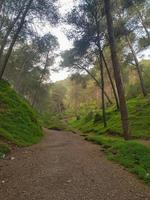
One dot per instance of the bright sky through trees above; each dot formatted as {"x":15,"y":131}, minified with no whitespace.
{"x":65,"y":6}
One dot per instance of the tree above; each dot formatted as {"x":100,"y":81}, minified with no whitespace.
{"x":116,"y":67}
{"x":15,"y":38}
{"x":88,"y":20}
{"x":89,"y":27}
{"x":75,"y":62}
{"x":25,"y":13}
{"x":138,"y":67}
{"x":45,"y":46}
{"x":139,"y":8}
{"x":125,"y":29}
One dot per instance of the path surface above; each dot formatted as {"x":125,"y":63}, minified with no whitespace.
{"x":65,"y":167}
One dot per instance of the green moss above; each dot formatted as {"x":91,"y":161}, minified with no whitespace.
{"x":139,"y":119}
{"x":130,"y":154}
{"x":18,"y":121}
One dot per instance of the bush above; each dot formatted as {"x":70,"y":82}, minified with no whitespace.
{"x":89,"y":117}
{"x":97,"y":118}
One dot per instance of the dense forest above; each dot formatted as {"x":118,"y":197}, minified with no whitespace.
{"x":107,"y":93}
{"x":105,"y":60}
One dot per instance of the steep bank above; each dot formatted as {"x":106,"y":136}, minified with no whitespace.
{"x":18,"y":121}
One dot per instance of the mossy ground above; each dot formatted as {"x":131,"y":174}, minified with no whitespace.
{"x":132,"y":155}
{"x":18,"y":121}
{"x":139,"y":119}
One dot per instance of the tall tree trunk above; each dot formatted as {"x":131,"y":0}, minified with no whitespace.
{"x":101,"y":67}
{"x":111,"y":81}
{"x":15,"y":38}
{"x":138,"y":67}
{"x":102,"y":90}
{"x":117,"y":73}
{"x":4,"y":41}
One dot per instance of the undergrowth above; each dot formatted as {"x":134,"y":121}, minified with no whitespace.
{"x":139,"y":119}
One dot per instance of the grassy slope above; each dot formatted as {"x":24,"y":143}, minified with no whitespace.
{"x":18,"y":121}
{"x":130,"y":154}
{"x":139,"y":117}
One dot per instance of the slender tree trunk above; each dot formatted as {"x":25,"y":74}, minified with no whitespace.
{"x":111,"y":81}
{"x":102,"y":90}
{"x":117,"y":73}
{"x":15,"y":38}
{"x":137,"y":66}
{"x":4,"y":41}
{"x":101,"y":67}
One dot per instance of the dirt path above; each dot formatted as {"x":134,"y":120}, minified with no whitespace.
{"x":145,"y":142}
{"x":65,"y":167}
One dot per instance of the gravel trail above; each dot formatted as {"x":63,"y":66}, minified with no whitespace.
{"x":65,"y":167}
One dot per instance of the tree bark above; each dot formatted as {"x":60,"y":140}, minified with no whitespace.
{"x":111,"y":81}
{"x":139,"y":71}
{"x":102,"y":90}
{"x":117,"y":73}
{"x":15,"y":38}
{"x":100,"y":62}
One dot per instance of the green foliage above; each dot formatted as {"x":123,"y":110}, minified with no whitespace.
{"x":139,"y":118}
{"x":4,"y":149}
{"x":130,"y":154}
{"x":144,"y":42}
{"x":97,"y":118}
{"x":18,"y":121}
{"x":54,"y":121}
{"x":134,"y":89}
{"x":89,"y":117}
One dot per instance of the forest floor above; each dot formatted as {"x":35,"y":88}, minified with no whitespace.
{"x":63,"y":166}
